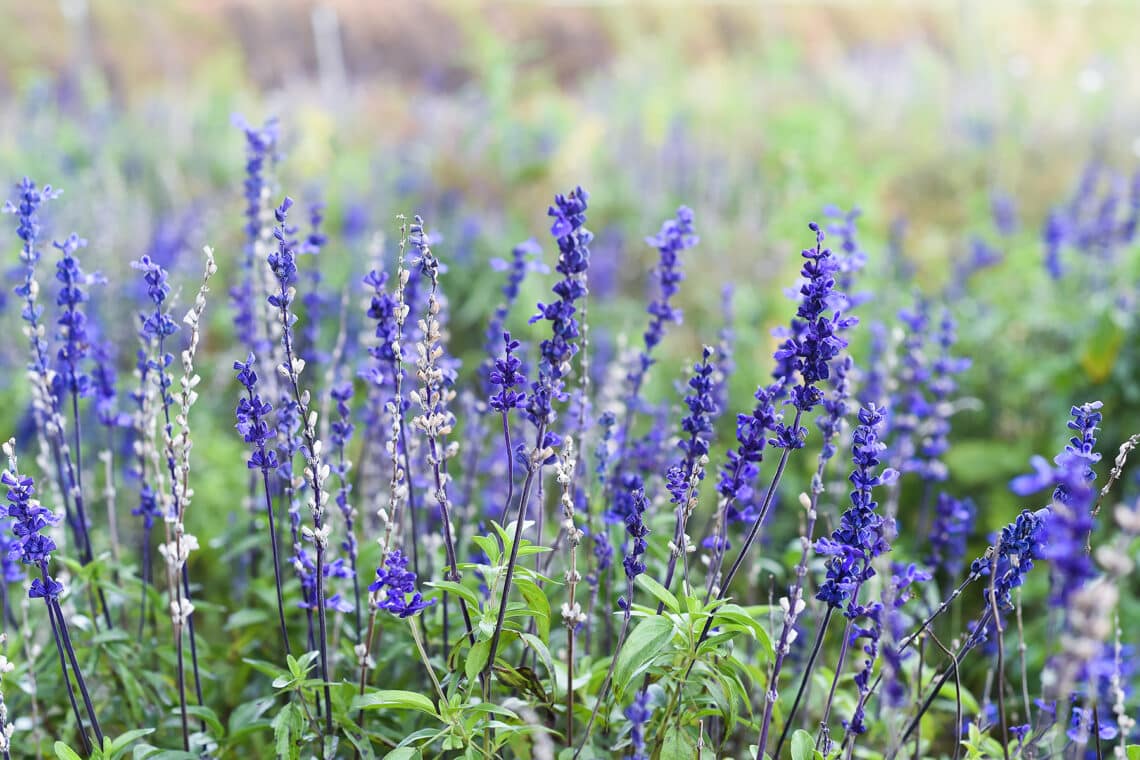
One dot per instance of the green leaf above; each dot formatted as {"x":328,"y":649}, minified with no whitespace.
{"x":541,"y":650}
{"x":477,"y":659}
{"x":678,"y":745}
{"x":245,"y":618}
{"x":394,"y":699}
{"x":286,"y":727}
{"x":1132,"y":752}
{"x":64,"y":752}
{"x":539,"y":606}
{"x":803,"y":745}
{"x":120,"y":745}
{"x":403,"y":753}
{"x":210,"y":717}
{"x":735,"y":617}
{"x":459,"y":590}
{"x":659,"y":592}
{"x":640,"y":649}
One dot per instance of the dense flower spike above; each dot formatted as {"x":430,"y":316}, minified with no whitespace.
{"x":637,"y":530}
{"x":1019,"y":544}
{"x":859,"y":537}
{"x":74,"y":341}
{"x":506,"y":376}
{"x":569,"y":213}
{"x":675,"y":236}
{"x":394,"y":583}
{"x":813,"y":340}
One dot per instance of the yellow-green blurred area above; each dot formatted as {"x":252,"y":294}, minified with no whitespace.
{"x":756,"y":115}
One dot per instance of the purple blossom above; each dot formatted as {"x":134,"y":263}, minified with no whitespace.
{"x":637,"y":530}
{"x":953,"y":522}
{"x":859,"y":537}
{"x":251,"y":413}
{"x":506,"y":376}
{"x":638,"y":715}
{"x":813,"y":340}
{"x":569,"y":213}
{"x":675,"y":236}
{"x":394,"y":582}
{"x":1019,"y":544}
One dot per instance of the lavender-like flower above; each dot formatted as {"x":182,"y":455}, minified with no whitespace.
{"x":675,"y":236}
{"x":953,"y":521}
{"x":30,"y":521}
{"x":1003,"y":209}
{"x":684,"y":477}
{"x":1019,"y":544}
{"x":859,"y":537}
{"x":638,"y":715}
{"x":522,"y":261}
{"x":394,"y":582}
{"x":252,"y":413}
{"x":813,"y":340}
{"x":637,"y":530}
{"x":569,"y":212}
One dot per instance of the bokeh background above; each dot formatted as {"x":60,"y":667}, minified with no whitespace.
{"x":925,"y":116}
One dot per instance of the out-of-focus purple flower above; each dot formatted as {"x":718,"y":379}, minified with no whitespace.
{"x":1053,"y":236}
{"x":1003,"y":209}
{"x":859,"y":537}
{"x":953,"y":522}
{"x":523,"y":260}
{"x":851,"y":257}
{"x":394,"y":583}
{"x":725,"y":363}
{"x":675,"y":236}
{"x":834,"y":407}
{"x":903,"y":576}
{"x":638,"y":715}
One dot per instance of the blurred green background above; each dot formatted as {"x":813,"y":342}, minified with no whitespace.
{"x":756,"y":115}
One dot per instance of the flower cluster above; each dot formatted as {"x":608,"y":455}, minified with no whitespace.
{"x":637,"y":530}
{"x":953,"y":521}
{"x":30,"y":522}
{"x":569,"y":213}
{"x":859,"y":537}
{"x":507,"y":376}
{"x":394,"y":582}
{"x":252,"y":412}
{"x":675,"y":236}
{"x":813,"y":340}
{"x":638,"y":715}
{"x":1019,"y":544}
{"x":74,"y":341}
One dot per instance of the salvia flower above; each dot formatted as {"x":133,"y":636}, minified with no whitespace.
{"x":637,"y":530}
{"x":569,"y":213}
{"x":675,"y":236}
{"x":638,"y":715}
{"x":859,"y":537}
{"x":395,"y":587}
{"x":74,"y":341}
{"x":252,"y":414}
{"x":523,"y":260}
{"x":813,"y":340}
{"x":953,"y":522}
{"x":506,"y":376}
{"x":1019,"y":544}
